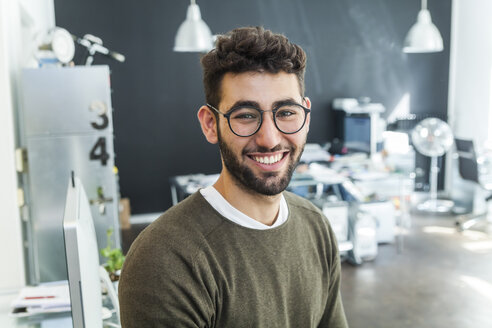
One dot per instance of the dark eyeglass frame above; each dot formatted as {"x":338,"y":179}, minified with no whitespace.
{"x":261,"y":111}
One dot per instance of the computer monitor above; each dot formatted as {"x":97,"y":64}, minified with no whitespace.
{"x":357,"y":133}
{"x":82,"y":258}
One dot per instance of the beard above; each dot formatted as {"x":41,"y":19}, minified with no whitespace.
{"x":265,"y":183}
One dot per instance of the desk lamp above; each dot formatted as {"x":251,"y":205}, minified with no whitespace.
{"x":423,"y":36}
{"x":193,"y":34}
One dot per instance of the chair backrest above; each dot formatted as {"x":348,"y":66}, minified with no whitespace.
{"x":467,"y":159}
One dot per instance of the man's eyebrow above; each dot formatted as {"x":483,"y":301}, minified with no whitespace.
{"x":244,"y":103}
{"x":251,"y":103}
{"x":288,"y":100}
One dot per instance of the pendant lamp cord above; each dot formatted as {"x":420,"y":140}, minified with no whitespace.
{"x":424,"y":4}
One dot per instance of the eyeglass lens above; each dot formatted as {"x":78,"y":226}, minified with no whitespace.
{"x":244,"y":121}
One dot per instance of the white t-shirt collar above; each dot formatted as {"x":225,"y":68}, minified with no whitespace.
{"x":221,"y":205}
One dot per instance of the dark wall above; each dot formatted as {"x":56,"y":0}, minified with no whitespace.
{"x":353,"y":47}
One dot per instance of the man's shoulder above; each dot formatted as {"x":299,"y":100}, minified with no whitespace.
{"x":306,"y":214}
{"x":184,"y":226}
{"x":309,"y":218}
{"x":298,"y":203}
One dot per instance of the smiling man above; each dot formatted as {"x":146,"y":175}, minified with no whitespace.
{"x":243,"y":252}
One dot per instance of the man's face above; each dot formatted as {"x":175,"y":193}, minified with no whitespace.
{"x":264,"y":162}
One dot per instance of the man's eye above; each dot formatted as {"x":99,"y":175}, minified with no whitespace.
{"x":244,"y":115}
{"x":286,"y":112}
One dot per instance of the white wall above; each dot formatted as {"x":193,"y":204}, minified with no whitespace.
{"x":470,"y":102}
{"x":20,"y":21}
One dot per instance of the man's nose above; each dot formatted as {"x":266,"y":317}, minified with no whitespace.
{"x":268,"y":135}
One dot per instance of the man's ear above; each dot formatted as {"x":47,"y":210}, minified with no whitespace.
{"x":307,"y":104}
{"x":208,"y":124}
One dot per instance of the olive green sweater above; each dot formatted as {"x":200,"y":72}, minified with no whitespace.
{"x":194,"y":268}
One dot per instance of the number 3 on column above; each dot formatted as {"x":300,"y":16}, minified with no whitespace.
{"x":98,"y":151}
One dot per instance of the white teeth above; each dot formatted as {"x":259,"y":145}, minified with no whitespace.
{"x":268,"y":159}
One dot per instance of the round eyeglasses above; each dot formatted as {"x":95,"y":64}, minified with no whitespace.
{"x":246,"y":120}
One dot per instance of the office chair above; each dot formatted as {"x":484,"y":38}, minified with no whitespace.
{"x":469,"y":170}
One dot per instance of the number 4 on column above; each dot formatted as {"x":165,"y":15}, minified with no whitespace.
{"x":98,"y":152}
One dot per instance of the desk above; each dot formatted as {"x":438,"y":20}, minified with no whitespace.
{"x":60,"y":320}
{"x":55,"y":320}
{"x":185,"y":185}
{"x":397,"y":187}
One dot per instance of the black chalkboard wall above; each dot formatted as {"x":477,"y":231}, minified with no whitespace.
{"x":353,"y":47}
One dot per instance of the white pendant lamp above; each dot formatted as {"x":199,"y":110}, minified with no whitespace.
{"x":423,"y":36}
{"x":193,"y":34}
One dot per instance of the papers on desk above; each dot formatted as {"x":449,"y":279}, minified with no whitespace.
{"x":47,"y":298}
{"x":324,"y":174}
{"x":370,"y":175}
{"x":192,"y":183}
{"x":314,"y":153}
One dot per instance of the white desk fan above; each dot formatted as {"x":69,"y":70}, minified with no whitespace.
{"x":433,"y":137}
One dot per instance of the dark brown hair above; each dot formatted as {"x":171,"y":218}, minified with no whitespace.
{"x":250,"y":49}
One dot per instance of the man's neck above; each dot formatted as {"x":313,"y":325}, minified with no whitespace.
{"x":260,"y":207}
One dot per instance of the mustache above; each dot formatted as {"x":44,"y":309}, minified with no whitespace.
{"x":260,"y":149}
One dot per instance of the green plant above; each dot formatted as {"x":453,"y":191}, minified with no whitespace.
{"x":114,"y":256}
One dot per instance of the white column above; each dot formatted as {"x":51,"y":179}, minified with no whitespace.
{"x":470,"y":107}
{"x":20,"y":20}
{"x":470,"y":75}
{"x":12,"y":273}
